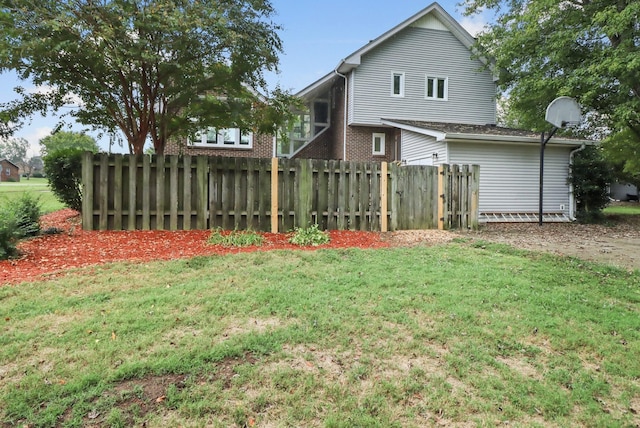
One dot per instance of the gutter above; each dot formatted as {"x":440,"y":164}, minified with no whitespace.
{"x":572,"y":196}
{"x":344,"y":120}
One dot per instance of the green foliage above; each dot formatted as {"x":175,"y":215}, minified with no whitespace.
{"x":590,"y":176}
{"x":311,"y":235}
{"x":124,"y":59}
{"x":587,"y":50}
{"x":68,"y":140}
{"x":27,"y":210}
{"x":9,"y":233}
{"x":623,"y":151}
{"x":64,"y":171}
{"x":19,"y":218}
{"x":235,"y":238}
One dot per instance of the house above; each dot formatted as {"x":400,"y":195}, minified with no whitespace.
{"x":418,"y":95}
{"x":623,"y":192}
{"x":9,"y":171}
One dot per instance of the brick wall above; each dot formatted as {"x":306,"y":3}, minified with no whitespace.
{"x":262,"y":148}
{"x":9,"y":171}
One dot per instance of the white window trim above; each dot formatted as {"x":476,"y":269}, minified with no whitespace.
{"x":219,"y":143}
{"x":435,"y":89}
{"x":402,"y":84}
{"x":382,"y":137}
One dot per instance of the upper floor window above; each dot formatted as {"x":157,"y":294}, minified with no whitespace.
{"x":378,"y":143}
{"x":436,"y":88}
{"x":397,"y":84}
{"x":223,"y":138}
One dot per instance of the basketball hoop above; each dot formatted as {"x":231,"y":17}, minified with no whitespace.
{"x":563,"y":112}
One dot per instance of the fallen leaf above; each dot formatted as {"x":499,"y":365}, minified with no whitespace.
{"x":113,"y":335}
{"x":161,"y":399}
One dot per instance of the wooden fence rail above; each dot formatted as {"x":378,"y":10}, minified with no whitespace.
{"x":184,"y":192}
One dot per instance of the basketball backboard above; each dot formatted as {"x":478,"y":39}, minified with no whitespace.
{"x":563,"y":112}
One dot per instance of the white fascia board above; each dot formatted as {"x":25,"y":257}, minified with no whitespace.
{"x":316,"y":85}
{"x":438,"y":135}
{"x":510,"y":139}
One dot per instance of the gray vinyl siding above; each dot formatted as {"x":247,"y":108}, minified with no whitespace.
{"x":509,"y":176}
{"x":416,"y":146}
{"x":419,"y":52}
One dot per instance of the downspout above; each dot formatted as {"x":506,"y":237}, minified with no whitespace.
{"x":344,"y":120}
{"x":572,"y":197}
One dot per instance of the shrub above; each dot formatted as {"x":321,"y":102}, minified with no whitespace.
{"x":590,"y":176}
{"x":27,"y":211}
{"x":236,"y":238}
{"x":312,"y":235}
{"x":63,"y":169}
{"x":9,"y":234}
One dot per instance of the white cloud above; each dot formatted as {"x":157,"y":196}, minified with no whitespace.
{"x":33,"y":137}
{"x":473,"y":24}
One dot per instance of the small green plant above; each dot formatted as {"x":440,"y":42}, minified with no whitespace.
{"x":27,"y":211}
{"x":235,"y":238}
{"x":311,"y":235}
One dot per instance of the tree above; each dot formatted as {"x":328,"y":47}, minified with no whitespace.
{"x":590,"y":175}
{"x":586,"y":49}
{"x":67,"y":140}
{"x":34,"y":165}
{"x":152,"y":69}
{"x":14,"y":149}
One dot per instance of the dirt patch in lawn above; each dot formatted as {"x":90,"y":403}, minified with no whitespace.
{"x":616,"y":243}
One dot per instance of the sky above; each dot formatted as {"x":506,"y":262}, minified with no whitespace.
{"x":315,"y":37}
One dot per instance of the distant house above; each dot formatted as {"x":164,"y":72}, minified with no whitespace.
{"x":624,"y":192}
{"x":10,"y":171}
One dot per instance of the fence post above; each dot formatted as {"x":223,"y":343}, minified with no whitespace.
{"x":304,"y":194}
{"x":87,"y":191}
{"x":475,"y":197}
{"x":202,"y":209}
{"x":384,"y":203}
{"x":274,"y":195}
{"x":442,"y":202}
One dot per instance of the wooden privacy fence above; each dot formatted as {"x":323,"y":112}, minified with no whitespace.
{"x":184,"y":192}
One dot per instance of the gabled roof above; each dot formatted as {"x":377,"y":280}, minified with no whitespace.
{"x":8,"y":161}
{"x":478,"y":133}
{"x":353,"y":60}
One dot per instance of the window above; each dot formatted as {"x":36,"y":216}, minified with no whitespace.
{"x":378,"y":143}
{"x":397,"y":84}
{"x":306,"y":126}
{"x":436,"y":88}
{"x":223,"y":138}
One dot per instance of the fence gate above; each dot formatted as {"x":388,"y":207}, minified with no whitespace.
{"x":413,"y":195}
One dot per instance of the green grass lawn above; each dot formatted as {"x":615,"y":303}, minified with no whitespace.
{"x":464,"y":333}
{"x":626,"y":209}
{"x":38,"y":187}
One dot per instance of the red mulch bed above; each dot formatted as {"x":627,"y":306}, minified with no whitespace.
{"x":48,"y":256}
